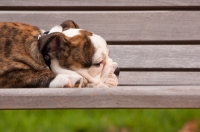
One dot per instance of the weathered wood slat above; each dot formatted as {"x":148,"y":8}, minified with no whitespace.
{"x":127,"y":26}
{"x":120,"y":25}
{"x":101,"y":3}
{"x":159,"y":78}
{"x":121,"y":97}
{"x":156,"y":56}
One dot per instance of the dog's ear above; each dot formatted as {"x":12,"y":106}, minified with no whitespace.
{"x":69,"y":24}
{"x":51,"y":42}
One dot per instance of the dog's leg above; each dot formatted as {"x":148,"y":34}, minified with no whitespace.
{"x":64,"y":80}
{"x":36,"y":79}
{"x":26,"y":78}
{"x":55,"y":67}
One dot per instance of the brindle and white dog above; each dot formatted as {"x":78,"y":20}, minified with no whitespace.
{"x":63,"y":57}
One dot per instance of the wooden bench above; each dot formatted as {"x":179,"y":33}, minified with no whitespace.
{"x":156,"y":44}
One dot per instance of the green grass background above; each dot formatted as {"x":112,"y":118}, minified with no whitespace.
{"x":96,"y":120}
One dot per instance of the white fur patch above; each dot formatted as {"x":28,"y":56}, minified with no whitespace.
{"x":98,"y":42}
{"x":60,"y":81}
{"x":106,"y":70}
{"x":101,"y":47}
{"x":72,"y":76}
{"x":42,"y":31}
{"x":72,"y":32}
{"x":55,"y":67}
{"x":56,"y":29}
{"x":39,"y":36}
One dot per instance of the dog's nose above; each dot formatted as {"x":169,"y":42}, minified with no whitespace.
{"x":116,"y":72}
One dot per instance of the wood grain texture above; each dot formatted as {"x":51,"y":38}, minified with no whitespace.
{"x":119,"y":25}
{"x":101,"y":3}
{"x":156,"y":56}
{"x":158,"y":78}
{"x":120,"y":97}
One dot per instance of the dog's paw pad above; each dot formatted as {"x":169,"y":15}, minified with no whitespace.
{"x":68,"y":85}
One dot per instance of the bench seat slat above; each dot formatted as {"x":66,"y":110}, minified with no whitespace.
{"x":119,"y":25}
{"x":160,"y":78}
{"x":101,"y":3}
{"x":121,"y":97}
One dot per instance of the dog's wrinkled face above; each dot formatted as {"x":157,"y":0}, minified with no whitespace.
{"x":83,"y":52}
{"x":100,"y":72}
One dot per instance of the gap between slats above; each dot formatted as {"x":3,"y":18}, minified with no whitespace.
{"x":160,"y":69}
{"x":160,"y":42}
{"x":98,"y":8}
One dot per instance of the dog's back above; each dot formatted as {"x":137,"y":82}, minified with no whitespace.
{"x":20,"y":59}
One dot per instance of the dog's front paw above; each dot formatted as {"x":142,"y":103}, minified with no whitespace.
{"x":76,"y":81}
{"x":63,"y":80}
{"x":60,"y":81}
{"x":111,"y":81}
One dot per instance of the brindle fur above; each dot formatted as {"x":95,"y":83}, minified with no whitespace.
{"x":21,"y":62}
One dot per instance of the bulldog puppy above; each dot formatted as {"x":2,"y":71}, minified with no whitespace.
{"x":63,"y":57}
{"x":73,"y":49}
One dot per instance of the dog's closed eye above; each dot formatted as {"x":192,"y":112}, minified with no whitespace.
{"x":97,"y":64}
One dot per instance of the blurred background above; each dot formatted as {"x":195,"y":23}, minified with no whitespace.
{"x":100,"y":120}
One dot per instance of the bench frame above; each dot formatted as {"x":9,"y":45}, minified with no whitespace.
{"x":155,"y":43}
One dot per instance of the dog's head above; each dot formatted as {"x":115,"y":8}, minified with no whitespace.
{"x":71,"y":48}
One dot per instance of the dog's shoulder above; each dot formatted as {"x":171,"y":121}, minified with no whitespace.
{"x":18,"y":38}
{"x":18,"y":31}
{"x":18,"y":50}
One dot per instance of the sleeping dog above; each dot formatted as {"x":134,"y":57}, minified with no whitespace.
{"x":63,"y":57}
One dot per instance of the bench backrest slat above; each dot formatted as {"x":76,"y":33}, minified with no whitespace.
{"x":120,"y":25}
{"x":133,"y":3}
{"x":159,"y":78}
{"x":156,"y":56}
